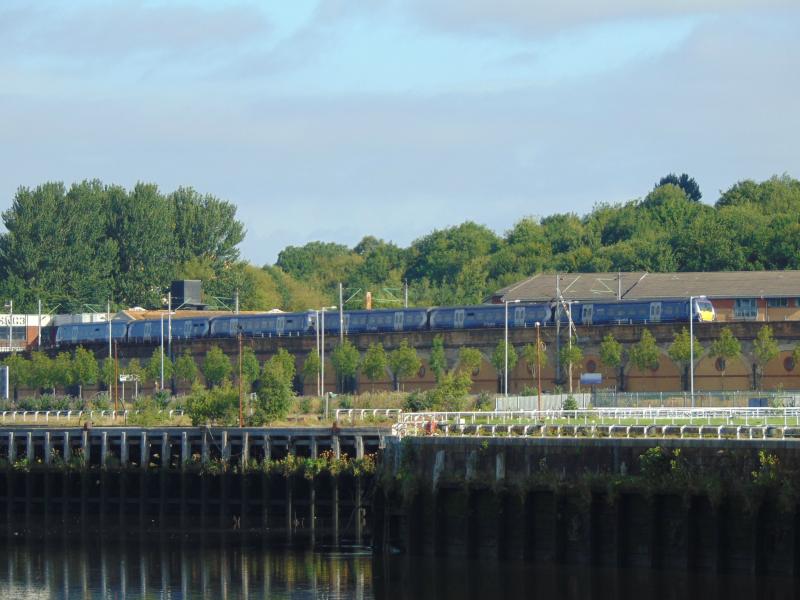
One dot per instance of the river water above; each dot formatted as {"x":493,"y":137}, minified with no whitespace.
{"x":152,"y":567}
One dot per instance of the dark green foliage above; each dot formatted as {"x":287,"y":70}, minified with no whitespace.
{"x":218,"y":406}
{"x":216,"y":366}
{"x":686,"y":183}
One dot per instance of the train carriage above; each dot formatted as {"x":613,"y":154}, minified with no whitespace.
{"x":263,"y":325}
{"x":369,"y":321}
{"x":90,"y":333}
{"x":488,"y":315}
{"x":148,"y":331}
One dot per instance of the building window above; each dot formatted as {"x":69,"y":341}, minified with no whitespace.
{"x":778,"y":302}
{"x":745,"y":308}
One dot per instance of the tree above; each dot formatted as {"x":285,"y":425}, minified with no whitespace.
{"x":40,"y":373}
{"x":534,"y":357}
{"x":311,"y":366}
{"x":644,"y":354}
{"x":344,"y":359}
{"x":85,"y":369}
{"x":107,"y":372}
{"x":250,"y":367}
{"x":63,"y":373}
{"x":18,"y":371}
{"x":216,"y":366}
{"x":611,"y":355}
{"x":765,"y":348}
{"x":375,"y":362}
{"x":217,"y":406}
{"x":469,"y":360}
{"x":570,"y":354}
{"x":686,"y":183}
{"x":680,"y":352}
{"x":724,"y":348}
{"x":438,"y":361}
{"x":451,"y":391}
{"x":134,"y":369}
{"x":274,"y":396}
{"x":206,"y":227}
{"x":499,"y":359}
{"x":284,"y":362}
{"x":403,"y":362}
{"x":152,"y":371}
{"x":186,"y":369}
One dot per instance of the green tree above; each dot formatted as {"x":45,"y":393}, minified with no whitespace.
{"x":403,"y":362}
{"x":375,"y":362}
{"x":143,"y":225}
{"x":84,"y":368}
{"x":611,"y":355}
{"x":725,"y":348}
{"x":311,"y":366}
{"x":284,"y":362}
{"x":765,"y":348}
{"x":40,"y":372}
{"x":451,"y":391}
{"x":18,"y":372}
{"x":186,"y":368}
{"x":499,"y":359}
{"x":571,"y":354}
{"x":275,"y":395}
{"x":344,"y":359}
{"x":680,"y":351}
{"x":469,"y":360}
{"x":685,"y":183}
{"x":250,"y":367}
{"x":206,"y":227}
{"x":63,"y":373}
{"x":644,"y":354}
{"x":152,"y":371}
{"x":107,"y":372}
{"x":438,"y":361}
{"x":216,"y":367}
{"x":533,"y":356}
{"x":217,"y":406}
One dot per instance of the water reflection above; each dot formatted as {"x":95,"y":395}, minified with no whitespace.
{"x":220,"y":568}
{"x":202,"y":570}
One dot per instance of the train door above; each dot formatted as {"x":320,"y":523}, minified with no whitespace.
{"x":234,"y":327}
{"x":458,"y":318}
{"x":398,"y":321}
{"x":74,"y":334}
{"x":519,"y":316}
{"x":147,"y":329}
{"x":187,"y":329}
{"x":280,"y":325}
{"x":587,"y":311}
{"x":655,"y":312}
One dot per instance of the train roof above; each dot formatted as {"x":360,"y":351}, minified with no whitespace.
{"x":640,"y":285}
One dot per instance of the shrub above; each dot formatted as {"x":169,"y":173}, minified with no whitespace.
{"x":570,"y":403}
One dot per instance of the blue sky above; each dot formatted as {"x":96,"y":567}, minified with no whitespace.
{"x":333,"y":119}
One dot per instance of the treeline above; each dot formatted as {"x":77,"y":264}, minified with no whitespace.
{"x":752,"y":226}
{"x":96,"y":242}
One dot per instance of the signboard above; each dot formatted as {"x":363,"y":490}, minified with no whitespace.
{"x":591,"y":378}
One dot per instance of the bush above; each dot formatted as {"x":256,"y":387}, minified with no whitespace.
{"x":161,"y":399}
{"x":417,"y":401}
{"x":484,"y":401}
{"x":219,"y":406}
{"x":570,"y":403}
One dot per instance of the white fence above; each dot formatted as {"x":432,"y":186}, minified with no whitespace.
{"x":549,"y":402}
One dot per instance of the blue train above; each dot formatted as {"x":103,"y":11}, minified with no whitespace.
{"x":390,"y":320}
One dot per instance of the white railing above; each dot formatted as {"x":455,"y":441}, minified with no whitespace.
{"x":44,"y":416}
{"x":362,"y":414}
{"x":637,"y":422}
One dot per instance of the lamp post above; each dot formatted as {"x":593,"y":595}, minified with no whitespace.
{"x":322,"y":355}
{"x":538,"y":369}
{"x":505,"y":367}
{"x":162,"y":351}
{"x":691,"y":348}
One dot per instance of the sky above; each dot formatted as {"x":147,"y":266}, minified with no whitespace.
{"x":331,"y":119}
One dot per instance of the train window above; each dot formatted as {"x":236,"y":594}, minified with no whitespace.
{"x":778,"y":302}
{"x":745,"y":308}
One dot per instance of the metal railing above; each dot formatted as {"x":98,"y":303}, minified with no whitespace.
{"x":362,"y":414}
{"x":44,"y":416}
{"x":738,"y":423}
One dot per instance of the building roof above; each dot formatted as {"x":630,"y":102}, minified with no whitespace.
{"x":652,"y":286}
